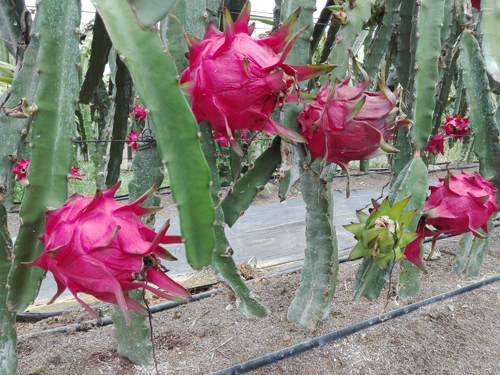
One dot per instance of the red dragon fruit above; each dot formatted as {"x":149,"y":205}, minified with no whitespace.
{"x":458,"y":204}
{"x":134,"y":136}
{"x":476,"y":4}
{"x":235,"y":81}
{"x":138,"y":112}
{"x":21,"y":169}
{"x":456,"y":126}
{"x":75,"y":174}
{"x":436,"y":144}
{"x":346,"y":123}
{"x":98,"y":246}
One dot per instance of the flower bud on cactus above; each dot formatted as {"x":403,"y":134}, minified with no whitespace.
{"x":339,"y":17}
{"x":235,"y":81}
{"x":98,"y":246}
{"x":382,"y":234}
{"x":346,"y":123}
{"x":456,"y":126}
{"x":138,"y":112}
{"x":436,"y":144}
{"x":75,"y":174}
{"x":134,"y":136}
{"x":21,"y":169}
{"x":457,"y":205}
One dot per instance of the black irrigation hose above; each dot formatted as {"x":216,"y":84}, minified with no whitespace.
{"x":85,"y":326}
{"x":336,"y":335}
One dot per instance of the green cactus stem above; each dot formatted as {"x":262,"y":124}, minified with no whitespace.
{"x":379,"y":46}
{"x":155,"y":78}
{"x":482,"y":115}
{"x":403,"y":64}
{"x":8,"y":335}
{"x":427,"y":32}
{"x":319,"y":273}
{"x":490,"y":18}
{"x":57,"y":64}
{"x":14,"y":130}
{"x":102,"y":118}
{"x":134,"y":341}
{"x":320,"y":26}
{"x":222,"y":261}
{"x":101,"y":45}
{"x":123,"y":85}
{"x":413,"y":180}
{"x":189,"y":18}
{"x":470,"y":253}
{"x":247,"y":187}
{"x":10,"y":19}
{"x":357,"y":14}
{"x":149,"y":12}
{"x":289,"y":116}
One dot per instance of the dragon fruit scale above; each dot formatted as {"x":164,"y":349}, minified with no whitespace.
{"x":457,"y":205}
{"x":346,"y":123}
{"x":235,"y":81}
{"x":98,"y":246}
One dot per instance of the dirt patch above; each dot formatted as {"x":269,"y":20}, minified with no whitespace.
{"x":460,"y":335}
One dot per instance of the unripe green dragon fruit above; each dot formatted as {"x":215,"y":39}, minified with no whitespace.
{"x":382,"y":234}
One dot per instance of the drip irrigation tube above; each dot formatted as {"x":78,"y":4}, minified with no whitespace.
{"x":336,"y":335}
{"x":84,"y":326}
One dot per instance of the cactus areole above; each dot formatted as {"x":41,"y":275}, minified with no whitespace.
{"x":235,"y":81}
{"x":98,"y":246}
{"x":347,"y":123}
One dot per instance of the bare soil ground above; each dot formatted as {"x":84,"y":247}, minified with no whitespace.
{"x":460,"y":335}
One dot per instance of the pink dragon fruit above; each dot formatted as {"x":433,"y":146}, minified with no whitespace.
{"x":456,"y":126}
{"x":476,"y":4}
{"x":98,"y":246}
{"x":346,"y":123}
{"x":221,"y":140}
{"x":21,"y":169}
{"x":75,"y":174}
{"x":138,"y":112}
{"x":436,"y":144}
{"x":458,"y":204}
{"x":235,"y":81}
{"x":134,"y":136}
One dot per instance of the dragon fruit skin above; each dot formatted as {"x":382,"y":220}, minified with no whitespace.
{"x":346,"y":123}
{"x":20,"y":170}
{"x":456,"y":126}
{"x":235,"y":81}
{"x":98,"y":246}
{"x":436,"y":144}
{"x":476,"y":4}
{"x":457,"y":205}
{"x":460,"y":204}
